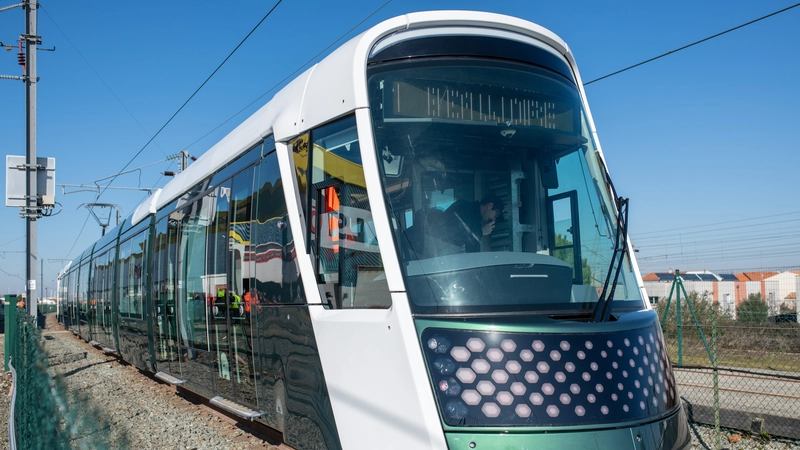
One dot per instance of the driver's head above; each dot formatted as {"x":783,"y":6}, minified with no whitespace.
{"x":492,"y":209}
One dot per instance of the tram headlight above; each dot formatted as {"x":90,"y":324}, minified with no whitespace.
{"x":449,"y":386}
{"x":445,"y":365}
{"x":439,"y":344}
{"x":455,"y":410}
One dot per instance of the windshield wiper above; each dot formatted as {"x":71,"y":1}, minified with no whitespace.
{"x":602,"y":311}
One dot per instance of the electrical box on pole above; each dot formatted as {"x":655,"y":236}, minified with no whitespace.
{"x":16,"y":179}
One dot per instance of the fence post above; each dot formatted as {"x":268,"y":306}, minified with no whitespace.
{"x":666,"y":309}
{"x":678,"y":318}
{"x":715,"y":366}
{"x":697,"y":322}
{"x":10,"y":327}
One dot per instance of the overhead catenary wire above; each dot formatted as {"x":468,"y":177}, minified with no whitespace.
{"x":692,"y":44}
{"x":287,"y":77}
{"x":673,"y":260}
{"x":114,"y":177}
{"x":741,"y":250}
{"x":12,"y":274}
{"x":719,"y":223}
{"x":750,"y":239}
{"x":13,"y":240}
{"x":241,"y":110}
{"x":194,"y":93}
{"x":717,"y":241}
{"x":293,"y":73}
{"x":738,"y":253}
{"x":83,"y":227}
{"x":721,"y":229}
{"x":715,"y":230}
{"x":653,"y":257}
{"x":102,"y":80}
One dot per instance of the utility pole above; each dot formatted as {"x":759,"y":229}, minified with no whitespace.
{"x":32,"y":212}
{"x":183,"y":162}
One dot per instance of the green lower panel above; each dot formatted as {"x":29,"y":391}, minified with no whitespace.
{"x":605,"y":439}
{"x":669,"y":434}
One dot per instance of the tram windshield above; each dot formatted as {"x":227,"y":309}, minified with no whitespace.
{"x":495,"y":191}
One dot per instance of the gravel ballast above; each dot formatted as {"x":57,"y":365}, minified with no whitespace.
{"x":141,"y":412}
{"x":147,"y":414}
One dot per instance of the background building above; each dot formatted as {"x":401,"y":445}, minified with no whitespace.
{"x":777,"y":289}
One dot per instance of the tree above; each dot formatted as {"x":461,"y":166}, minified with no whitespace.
{"x":753,"y":310}
{"x":701,"y":304}
{"x":567,"y":255}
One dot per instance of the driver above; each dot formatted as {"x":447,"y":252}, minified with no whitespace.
{"x":466,"y":223}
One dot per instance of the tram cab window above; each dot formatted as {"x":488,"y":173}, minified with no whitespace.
{"x":348,"y":263}
{"x":460,"y":137}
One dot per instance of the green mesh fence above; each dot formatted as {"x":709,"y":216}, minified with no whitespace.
{"x":754,"y":384}
{"x":46,"y":416}
{"x":46,"y":308}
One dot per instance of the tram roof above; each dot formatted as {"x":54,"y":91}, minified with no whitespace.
{"x":332,"y":88}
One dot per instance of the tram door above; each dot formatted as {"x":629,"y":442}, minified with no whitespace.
{"x":218,"y":288}
{"x":242,"y":281}
{"x":164,"y":277}
{"x":72,"y":298}
{"x":104,"y":292}
{"x":230,"y":331}
{"x":84,"y":314}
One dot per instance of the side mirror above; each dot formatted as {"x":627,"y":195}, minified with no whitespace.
{"x":547,"y":167}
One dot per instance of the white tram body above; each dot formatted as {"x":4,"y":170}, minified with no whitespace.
{"x":405,"y":248}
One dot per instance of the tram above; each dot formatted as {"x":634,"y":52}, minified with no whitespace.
{"x":415,"y":244}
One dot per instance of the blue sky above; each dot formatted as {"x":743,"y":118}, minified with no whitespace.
{"x":700,"y":141}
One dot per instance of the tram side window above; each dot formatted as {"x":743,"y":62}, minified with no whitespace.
{"x":108,"y":292}
{"x":95,"y":280}
{"x":163,"y":273}
{"x":138,"y":250}
{"x":349,"y":266}
{"x":124,"y":278}
{"x":216,"y":276}
{"x":158,"y":267}
{"x":99,"y":269}
{"x":131,"y":290}
{"x":194,"y":285}
{"x":240,"y":240}
{"x":72,"y":294}
{"x":277,"y":276}
{"x":83,"y":287}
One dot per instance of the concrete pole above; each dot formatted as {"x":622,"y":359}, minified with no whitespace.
{"x":32,"y":210}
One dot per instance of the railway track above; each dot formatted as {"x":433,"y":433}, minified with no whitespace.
{"x":792,"y":382}
{"x":744,"y":395}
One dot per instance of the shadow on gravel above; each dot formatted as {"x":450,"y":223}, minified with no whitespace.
{"x":690,"y":415}
{"x":80,"y":369}
{"x":57,"y":360}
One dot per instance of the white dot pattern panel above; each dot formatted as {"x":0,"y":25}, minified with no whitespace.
{"x":523,"y":379}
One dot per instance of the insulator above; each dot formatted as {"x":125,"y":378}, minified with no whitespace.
{"x":21,"y":58}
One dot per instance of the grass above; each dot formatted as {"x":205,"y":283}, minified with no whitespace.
{"x":694,"y":354}
{"x":767,"y":348}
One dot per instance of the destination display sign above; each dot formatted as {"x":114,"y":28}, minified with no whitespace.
{"x":426,"y":99}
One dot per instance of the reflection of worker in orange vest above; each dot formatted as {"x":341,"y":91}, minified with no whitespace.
{"x":248,"y":297}
{"x":336,"y":220}
{"x":332,"y":206}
